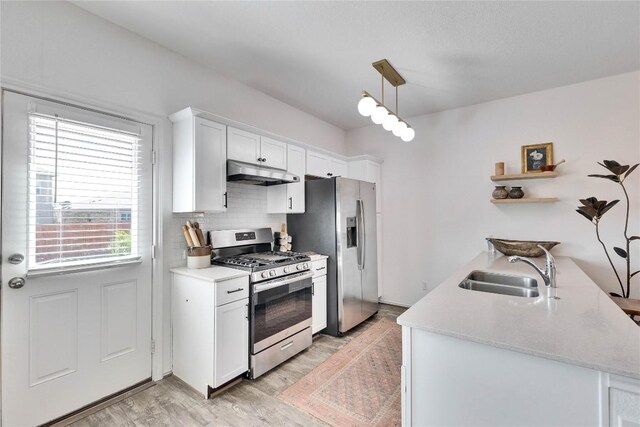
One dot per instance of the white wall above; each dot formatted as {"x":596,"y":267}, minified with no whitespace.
{"x":69,"y":52}
{"x":436,"y":189}
{"x":247,"y":207}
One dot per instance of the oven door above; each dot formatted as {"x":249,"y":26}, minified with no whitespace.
{"x":279,"y":309}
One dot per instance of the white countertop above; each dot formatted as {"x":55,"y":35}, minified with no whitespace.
{"x":584,"y":327}
{"x":214,"y":273}
{"x":318,"y":257}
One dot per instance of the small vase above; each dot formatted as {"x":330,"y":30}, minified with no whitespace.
{"x":516,"y":193}
{"x":500,"y":192}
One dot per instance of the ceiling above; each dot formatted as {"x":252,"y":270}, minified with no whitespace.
{"x":317,"y":56}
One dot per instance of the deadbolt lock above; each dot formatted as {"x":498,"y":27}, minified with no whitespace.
{"x":16,"y":259}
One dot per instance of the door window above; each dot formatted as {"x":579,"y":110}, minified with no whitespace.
{"x":83,"y":185}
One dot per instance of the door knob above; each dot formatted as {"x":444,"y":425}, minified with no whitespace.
{"x":16,"y":259}
{"x":16,"y":283}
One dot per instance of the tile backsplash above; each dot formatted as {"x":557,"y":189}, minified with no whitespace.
{"x":247,"y":208}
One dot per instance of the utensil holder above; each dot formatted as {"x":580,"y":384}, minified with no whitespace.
{"x":199,"y":257}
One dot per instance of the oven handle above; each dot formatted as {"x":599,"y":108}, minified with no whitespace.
{"x":267,"y":286}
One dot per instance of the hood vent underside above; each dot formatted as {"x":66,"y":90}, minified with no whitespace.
{"x":247,"y":173}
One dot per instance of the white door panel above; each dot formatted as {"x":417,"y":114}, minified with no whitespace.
{"x":53,"y":336}
{"x":70,"y":337}
{"x":118,"y":318}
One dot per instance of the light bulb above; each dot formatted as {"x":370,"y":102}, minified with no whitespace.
{"x":399,"y":128}
{"x":390,"y":122}
{"x":366,"y":106}
{"x":379,"y":115}
{"x":408,"y":134}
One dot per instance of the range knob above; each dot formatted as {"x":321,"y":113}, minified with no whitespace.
{"x":287,"y":269}
{"x":305,"y":265}
{"x":272,"y":273}
{"x":299,"y":266}
{"x":265,"y":274}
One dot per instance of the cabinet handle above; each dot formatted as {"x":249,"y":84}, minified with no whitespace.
{"x":290,"y":202}
{"x":246,"y":311}
{"x":259,"y":159}
{"x":321,"y":268}
{"x":329,"y":174}
{"x":264,"y":159}
{"x":234,"y":291}
{"x":286,"y":346}
{"x":313,"y":289}
{"x":225,"y":199}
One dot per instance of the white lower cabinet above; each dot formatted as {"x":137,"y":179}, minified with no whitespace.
{"x":624,"y":402}
{"x":209,"y":328}
{"x":319,"y":304}
{"x":231,"y":340}
{"x":319,"y":298}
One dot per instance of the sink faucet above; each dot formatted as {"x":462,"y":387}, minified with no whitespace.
{"x":549,"y":272}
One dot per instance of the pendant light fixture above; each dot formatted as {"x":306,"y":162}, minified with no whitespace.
{"x":379,"y":113}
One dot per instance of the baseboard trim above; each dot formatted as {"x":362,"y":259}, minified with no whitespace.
{"x":398,"y":304}
{"x":98,"y":405}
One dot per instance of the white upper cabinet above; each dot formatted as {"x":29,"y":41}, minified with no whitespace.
{"x":273,"y":153}
{"x":248,"y":147}
{"x":295,"y":191}
{"x":243,"y":146}
{"x":289,"y":198}
{"x":338,"y":167}
{"x":317,"y":164}
{"x":199,"y":164}
{"x":324,"y":166}
{"x":370,"y":171}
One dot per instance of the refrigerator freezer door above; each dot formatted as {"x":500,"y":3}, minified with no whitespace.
{"x":370,"y":270}
{"x":349,"y":274}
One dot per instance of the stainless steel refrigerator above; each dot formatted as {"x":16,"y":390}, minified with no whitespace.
{"x":340,"y":221}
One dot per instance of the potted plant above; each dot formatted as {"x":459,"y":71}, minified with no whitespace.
{"x":593,"y":209}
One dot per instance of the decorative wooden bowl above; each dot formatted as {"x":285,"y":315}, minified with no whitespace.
{"x":528,"y":248}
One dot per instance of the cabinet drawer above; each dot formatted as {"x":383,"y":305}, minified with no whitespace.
{"x":232,"y":290}
{"x":319,"y":267}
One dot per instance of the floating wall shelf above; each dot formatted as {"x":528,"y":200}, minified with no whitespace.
{"x":513,"y":177}
{"x":526,"y":200}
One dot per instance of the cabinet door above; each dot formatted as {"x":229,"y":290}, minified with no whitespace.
{"x":317,"y":164}
{"x":319,"y":304}
{"x":273,"y":153}
{"x":297,"y":166}
{"x":338,"y":167}
{"x":243,"y":146}
{"x":210,"y":166}
{"x":231,"y":341}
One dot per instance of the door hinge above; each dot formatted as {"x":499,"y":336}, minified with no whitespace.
{"x":154,"y":249}
{"x":154,"y":157}
{"x":153,"y":346}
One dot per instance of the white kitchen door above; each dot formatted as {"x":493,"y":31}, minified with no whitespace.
{"x":76,"y":258}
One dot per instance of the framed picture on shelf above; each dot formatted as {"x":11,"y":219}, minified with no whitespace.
{"x":536,"y":155}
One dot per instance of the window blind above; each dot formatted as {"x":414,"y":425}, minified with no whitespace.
{"x":83,"y":182}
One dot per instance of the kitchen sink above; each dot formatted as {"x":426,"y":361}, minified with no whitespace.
{"x":505,"y":284}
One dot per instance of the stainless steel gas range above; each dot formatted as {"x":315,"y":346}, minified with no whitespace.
{"x":280,"y":294}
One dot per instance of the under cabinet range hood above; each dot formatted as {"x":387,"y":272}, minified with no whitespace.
{"x":247,"y":173}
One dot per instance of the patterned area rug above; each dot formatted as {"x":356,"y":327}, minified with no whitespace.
{"x":357,"y":386}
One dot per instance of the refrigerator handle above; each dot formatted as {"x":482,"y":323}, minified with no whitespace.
{"x":361,"y":234}
{"x":363,"y":225}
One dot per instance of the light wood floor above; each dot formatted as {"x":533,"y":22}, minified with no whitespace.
{"x":250,"y":403}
